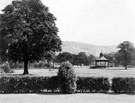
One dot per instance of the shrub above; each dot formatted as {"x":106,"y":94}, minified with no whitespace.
{"x":27,"y":84}
{"x":6,"y":69}
{"x":123,"y":85}
{"x":89,"y":84}
{"x":67,"y":78}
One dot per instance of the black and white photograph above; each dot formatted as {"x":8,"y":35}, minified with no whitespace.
{"x":67,"y":51}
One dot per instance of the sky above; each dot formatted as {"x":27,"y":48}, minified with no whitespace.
{"x":98,"y":22}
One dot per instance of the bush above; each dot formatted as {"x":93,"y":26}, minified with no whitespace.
{"x":6,"y":69}
{"x":89,"y":84}
{"x":67,"y":78}
{"x":28,"y":84}
{"x":123,"y":85}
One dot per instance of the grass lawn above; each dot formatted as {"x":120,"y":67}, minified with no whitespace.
{"x":109,"y":72}
{"x":67,"y":98}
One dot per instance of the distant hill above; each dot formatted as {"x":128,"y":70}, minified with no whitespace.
{"x":76,"y":47}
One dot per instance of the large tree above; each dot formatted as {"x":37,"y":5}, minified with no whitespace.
{"x":29,"y":31}
{"x":125,"y":52}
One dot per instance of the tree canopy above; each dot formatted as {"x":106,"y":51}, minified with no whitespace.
{"x":28,"y":30}
{"x":126,"y":51}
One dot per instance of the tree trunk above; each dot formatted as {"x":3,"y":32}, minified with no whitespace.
{"x":25,"y":67}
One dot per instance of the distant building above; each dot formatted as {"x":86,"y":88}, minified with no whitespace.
{"x":101,"y":62}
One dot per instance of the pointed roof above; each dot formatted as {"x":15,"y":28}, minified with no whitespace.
{"x":101,"y":57}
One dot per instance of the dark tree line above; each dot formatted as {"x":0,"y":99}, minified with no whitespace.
{"x":76,"y":59}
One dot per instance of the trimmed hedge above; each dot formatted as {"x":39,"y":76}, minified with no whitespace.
{"x":89,"y":84}
{"x":50,"y":84}
{"x":28,"y":84}
{"x":123,"y":85}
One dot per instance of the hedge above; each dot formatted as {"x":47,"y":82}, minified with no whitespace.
{"x":123,"y":85}
{"x":28,"y":84}
{"x":50,"y":84}
{"x":89,"y":84}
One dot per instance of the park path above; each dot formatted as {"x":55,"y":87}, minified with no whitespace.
{"x":67,"y":98}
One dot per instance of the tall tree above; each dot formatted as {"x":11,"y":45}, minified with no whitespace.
{"x":125,"y":53}
{"x":29,"y":31}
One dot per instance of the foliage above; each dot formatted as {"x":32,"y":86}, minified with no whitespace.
{"x":27,"y":84}
{"x":28,"y":31}
{"x":6,"y":69}
{"x":90,"y":84}
{"x":117,"y":59}
{"x":65,"y":56}
{"x":49,"y":56}
{"x":133,"y":58}
{"x":14,"y":65}
{"x":91,"y":59}
{"x":30,"y":84}
{"x":82,"y":58}
{"x":76,"y":59}
{"x":123,"y":85}
{"x":40,"y":64}
{"x":67,"y":78}
{"x":126,"y":53}
{"x":111,"y":58}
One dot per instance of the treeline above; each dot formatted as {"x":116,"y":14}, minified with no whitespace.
{"x":52,"y":60}
{"x":76,"y":59}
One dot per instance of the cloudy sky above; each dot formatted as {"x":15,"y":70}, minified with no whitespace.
{"x":99,"y":22}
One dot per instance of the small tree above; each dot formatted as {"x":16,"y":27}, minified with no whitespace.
{"x":27,"y":31}
{"x":125,"y":53}
{"x":67,"y":78}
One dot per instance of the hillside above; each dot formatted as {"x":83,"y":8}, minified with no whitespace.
{"x":76,"y":47}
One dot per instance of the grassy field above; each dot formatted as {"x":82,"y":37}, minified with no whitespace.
{"x":109,"y":72}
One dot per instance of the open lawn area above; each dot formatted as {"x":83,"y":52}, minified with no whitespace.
{"x":109,"y":72}
{"x":67,"y":98}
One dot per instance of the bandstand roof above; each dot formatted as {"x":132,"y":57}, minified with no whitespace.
{"x":102,"y":59}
